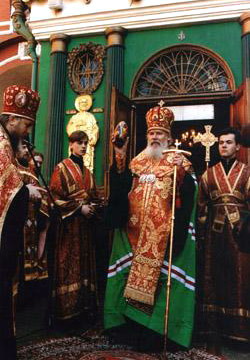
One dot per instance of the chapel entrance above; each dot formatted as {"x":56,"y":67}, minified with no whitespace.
{"x":190,"y":120}
{"x":197,"y":84}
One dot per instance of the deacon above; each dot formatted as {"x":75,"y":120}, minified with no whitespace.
{"x":140,"y":212}
{"x":224,"y":193}
{"x":20,"y":105}
{"x":72,"y":185}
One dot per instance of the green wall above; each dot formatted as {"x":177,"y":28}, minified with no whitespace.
{"x":98,"y":102}
{"x":222,"y":38}
{"x":42,"y":114}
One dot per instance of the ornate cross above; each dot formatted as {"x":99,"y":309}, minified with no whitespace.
{"x":207,"y":139}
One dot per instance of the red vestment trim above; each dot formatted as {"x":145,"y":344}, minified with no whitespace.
{"x":10,"y":179}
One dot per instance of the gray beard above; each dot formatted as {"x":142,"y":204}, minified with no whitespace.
{"x":155,"y":153}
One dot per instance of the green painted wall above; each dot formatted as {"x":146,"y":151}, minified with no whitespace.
{"x":222,"y":38}
{"x":42,"y":114}
{"x":98,"y":102}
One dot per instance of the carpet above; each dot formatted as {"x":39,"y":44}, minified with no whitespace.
{"x":96,"y":348}
{"x":193,"y":354}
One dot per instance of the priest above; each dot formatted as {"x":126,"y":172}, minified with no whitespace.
{"x":20,"y":105}
{"x":140,"y":213}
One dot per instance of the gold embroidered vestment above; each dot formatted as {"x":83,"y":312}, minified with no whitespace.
{"x":10,"y":179}
{"x":150,"y":201}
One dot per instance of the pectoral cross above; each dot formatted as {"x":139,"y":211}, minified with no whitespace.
{"x":207,"y":139}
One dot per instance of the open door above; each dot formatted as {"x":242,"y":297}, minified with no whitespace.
{"x":240,"y":115}
{"x":121,"y":109}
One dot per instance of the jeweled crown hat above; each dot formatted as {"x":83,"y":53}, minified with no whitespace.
{"x":21,"y":101}
{"x":159,"y":117}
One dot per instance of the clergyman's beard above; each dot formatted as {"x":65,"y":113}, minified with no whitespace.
{"x":24,"y":162}
{"x":14,"y":139}
{"x":156,"y":152}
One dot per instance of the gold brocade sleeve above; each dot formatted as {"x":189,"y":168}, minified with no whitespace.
{"x":45,"y":203}
{"x":10,"y":179}
{"x":29,"y":177}
{"x":60,"y":189}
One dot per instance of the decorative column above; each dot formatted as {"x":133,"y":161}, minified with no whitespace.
{"x":115,"y":57}
{"x":114,"y":77}
{"x":244,"y":104}
{"x":56,"y":100}
{"x":245,"y":23}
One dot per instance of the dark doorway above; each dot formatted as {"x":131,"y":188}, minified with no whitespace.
{"x":220,"y":121}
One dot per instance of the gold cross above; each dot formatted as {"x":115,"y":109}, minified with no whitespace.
{"x":225,"y":199}
{"x":207,"y":139}
{"x":161,"y":103}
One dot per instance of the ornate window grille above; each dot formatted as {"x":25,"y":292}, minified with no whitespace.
{"x":85,"y":67}
{"x":183,"y":70}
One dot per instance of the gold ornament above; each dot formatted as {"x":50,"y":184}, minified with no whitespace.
{"x":83,"y":102}
{"x":207,"y":139}
{"x":85,"y":121}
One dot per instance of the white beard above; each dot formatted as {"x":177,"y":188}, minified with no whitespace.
{"x":156,"y":152}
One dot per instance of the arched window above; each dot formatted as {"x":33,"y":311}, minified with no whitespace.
{"x":183,"y":70}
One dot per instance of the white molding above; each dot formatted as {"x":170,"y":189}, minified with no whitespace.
{"x":13,"y":58}
{"x":4,"y":23}
{"x":23,"y":48}
{"x":8,"y":60}
{"x":7,"y":31}
{"x":172,"y":14}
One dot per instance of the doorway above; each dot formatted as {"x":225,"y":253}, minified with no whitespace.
{"x":184,"y":75}
{"x":220,"y":120}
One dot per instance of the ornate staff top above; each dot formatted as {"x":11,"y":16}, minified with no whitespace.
{"x":177,"y":150}
{"x":207,"y":139}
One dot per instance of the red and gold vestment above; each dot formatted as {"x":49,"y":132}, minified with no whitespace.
{"x":150,"y":201}
{"x":224,"y":270}
{"x":10,"y":179}
{"x":34,"y":268}
{"x":74,"y":274}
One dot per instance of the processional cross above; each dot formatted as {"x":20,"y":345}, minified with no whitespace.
{"x":207,"y":139}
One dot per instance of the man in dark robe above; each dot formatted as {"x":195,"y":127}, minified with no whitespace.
{"x":72,"y":185}
{"x":39,"y":158}
{"x":34,"y":267}
{"x":19,"y":111}
{"x":140,"y":211}
{"x":224,"y":299}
